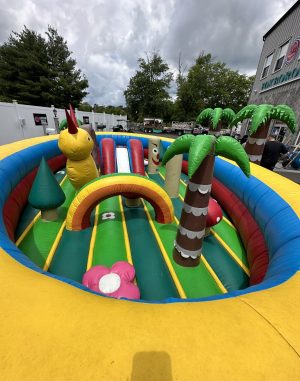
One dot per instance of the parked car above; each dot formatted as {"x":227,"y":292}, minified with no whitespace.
{"x":200,"y":130}
{"x":118,"y":128}
{"x":50,"y":131}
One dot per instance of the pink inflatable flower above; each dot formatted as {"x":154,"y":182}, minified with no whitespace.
{"x":116,"y":282}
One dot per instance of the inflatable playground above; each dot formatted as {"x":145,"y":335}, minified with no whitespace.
{"x":117,"y":280}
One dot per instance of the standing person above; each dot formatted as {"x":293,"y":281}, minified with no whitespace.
{"x":272,"y":150}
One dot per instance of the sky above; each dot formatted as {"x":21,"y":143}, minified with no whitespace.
{"x":107,"y":37}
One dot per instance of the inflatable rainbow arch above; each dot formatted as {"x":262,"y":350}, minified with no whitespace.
{"x":51,"y":329}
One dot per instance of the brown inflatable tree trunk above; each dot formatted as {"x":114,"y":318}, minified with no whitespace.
{"x":191,"y":230}
{"x":216,"y":131}
{"x":256,"y":143}
{"x":202,"y":150}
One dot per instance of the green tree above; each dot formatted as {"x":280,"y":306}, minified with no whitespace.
{"x":45,"y":193}
{"x":68,"y":84}
{"x":98,"y":108}
{"x":202,"y":150}
{"x":85,"y":106}
{"x":210,"y":84}
{"x":261,"y":116}
{"x":147,"y":95}
{"x":168,"y":112}
{"x":184,"y":106}
{"x":24,"y":70}
{"x":117,"y":110}
{"x":40,"y":71}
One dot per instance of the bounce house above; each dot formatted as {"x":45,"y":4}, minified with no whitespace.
{"x":139,"y":270}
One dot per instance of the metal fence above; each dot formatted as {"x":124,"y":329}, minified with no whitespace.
{"x":18,"y":121}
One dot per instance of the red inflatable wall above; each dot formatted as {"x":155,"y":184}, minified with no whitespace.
{"x":18,"y":197}
{"x":249,"y":231}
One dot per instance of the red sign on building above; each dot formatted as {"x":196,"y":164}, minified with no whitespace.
{"x":292,"y":51}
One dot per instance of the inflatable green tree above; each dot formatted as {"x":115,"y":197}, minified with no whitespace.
{"x":261,"y":116}
{"x":64,"y":124}
{"x":202,"y":150}
{"x":214,"y":118}
{"x":45,"y":193}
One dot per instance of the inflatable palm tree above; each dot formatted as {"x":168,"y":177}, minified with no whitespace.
{"x":261,"y":116}
{"x":214,"y":118}
{"x":64,"y":124}
{"x":202,"y":150}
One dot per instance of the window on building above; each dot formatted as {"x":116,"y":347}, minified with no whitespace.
{"x":281,"y":55}
{"x":267,"y":65}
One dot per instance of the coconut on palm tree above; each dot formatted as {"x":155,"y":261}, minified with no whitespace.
{"x":214,"y":118}
{"x":261,"y":116}
{"x":202,"y":150}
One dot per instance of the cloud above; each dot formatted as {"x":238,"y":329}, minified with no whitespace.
{"x":108,"y":36}
{"x":231,"y":30}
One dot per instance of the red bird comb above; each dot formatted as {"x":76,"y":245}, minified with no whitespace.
{"x":72,"y":128}
{"x":73,"y":116}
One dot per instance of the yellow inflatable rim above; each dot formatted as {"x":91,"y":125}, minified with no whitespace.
{"x":53,"y":331}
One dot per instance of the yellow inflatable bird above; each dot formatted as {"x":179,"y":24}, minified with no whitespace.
{"x":76,"y":144}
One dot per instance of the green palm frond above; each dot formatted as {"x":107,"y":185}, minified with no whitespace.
{"x":200,"y":148}
{"x":286,"y":114}
{"x":244,"y":113}
{"x":204,"y":116}
{"x":216,"y":117}
{"x":260,"y":116}
{"x":180,"y":145}
{"x":230,"y":148}
{"x":228,"y":115}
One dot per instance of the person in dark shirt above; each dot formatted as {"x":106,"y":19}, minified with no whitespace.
{"x":272,"y":150}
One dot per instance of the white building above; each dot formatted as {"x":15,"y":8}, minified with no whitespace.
{"x":277,"y":78}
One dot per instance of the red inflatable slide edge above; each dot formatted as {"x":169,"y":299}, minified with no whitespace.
{"x":137,"y":156}
{"x":108,"y":156}
{"x":249,"y":231}
{"x":19,"y":196}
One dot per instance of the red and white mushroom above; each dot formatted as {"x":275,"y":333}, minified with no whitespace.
{"x":214,"y":215}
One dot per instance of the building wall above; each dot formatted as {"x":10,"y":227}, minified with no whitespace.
{"x":17,"y":121}
{"x":282,"y":86}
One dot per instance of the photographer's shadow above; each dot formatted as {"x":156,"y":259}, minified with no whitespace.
{"x":151,"y":366}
